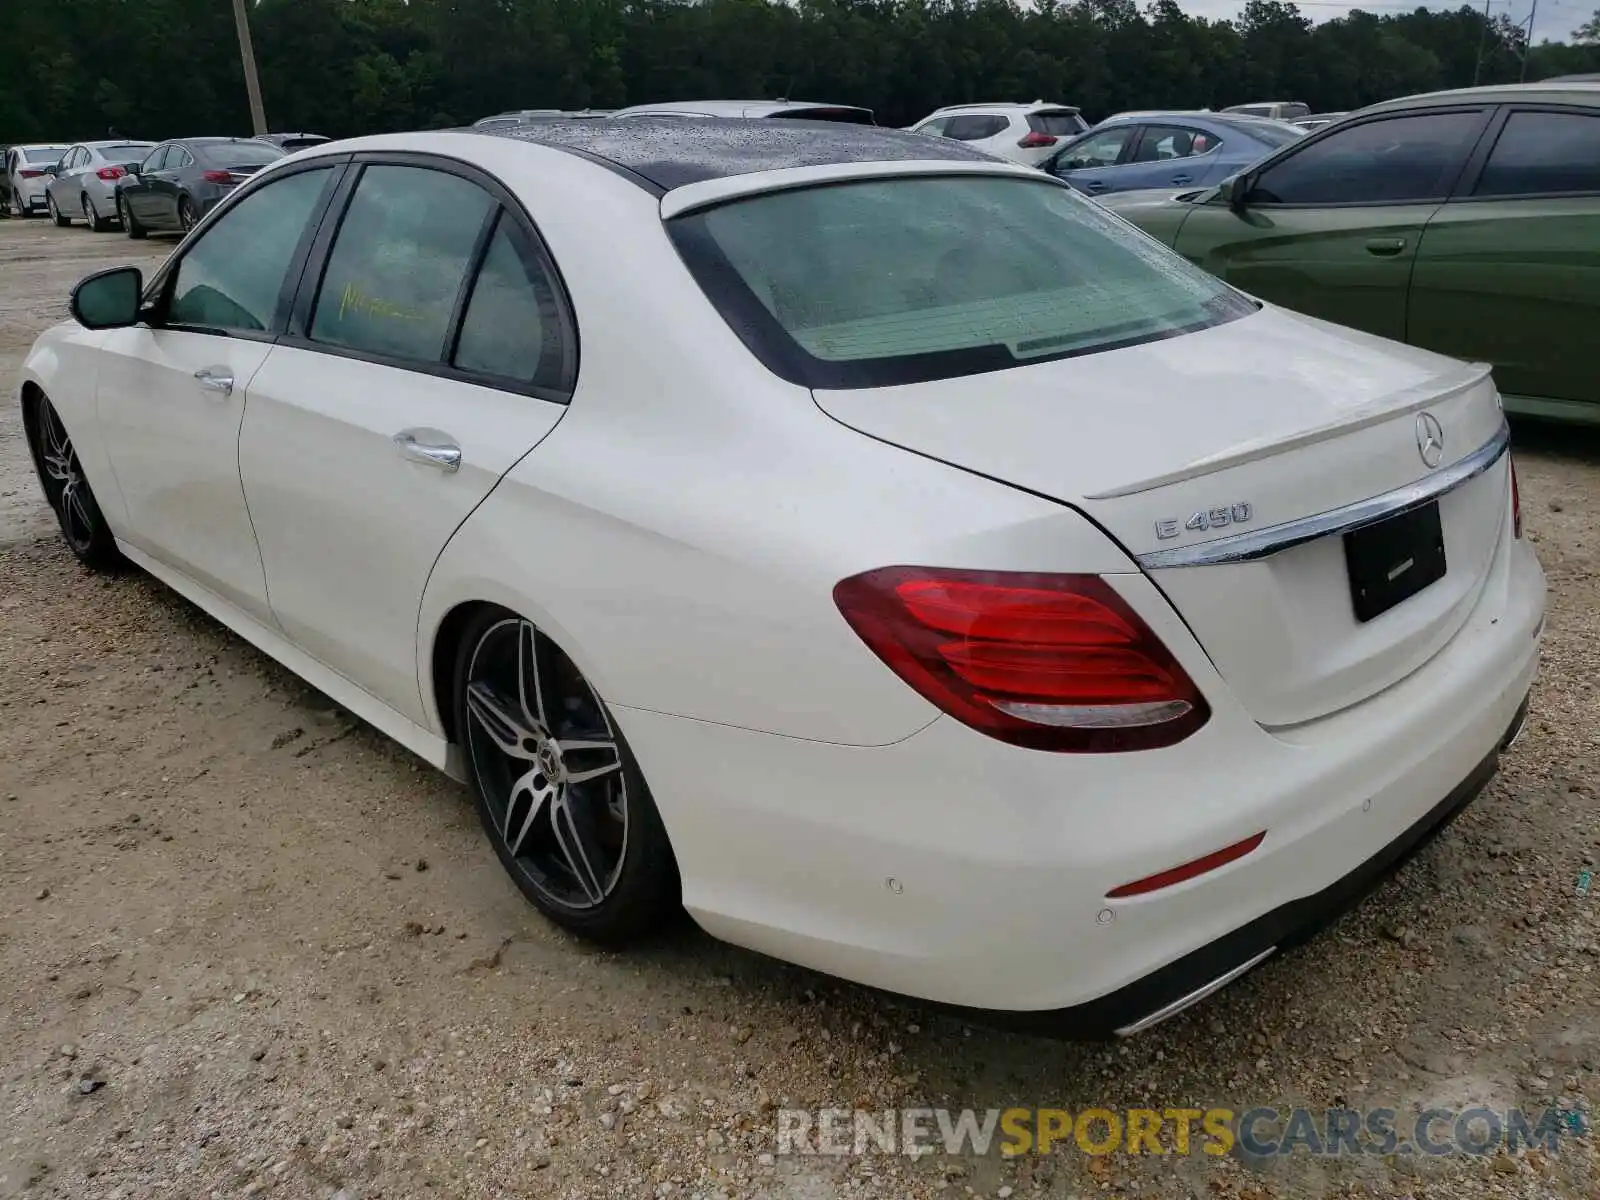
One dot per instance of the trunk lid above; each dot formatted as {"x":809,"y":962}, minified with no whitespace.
{"x":1290,"y":416}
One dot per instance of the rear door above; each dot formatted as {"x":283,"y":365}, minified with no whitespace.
{"x":1508,"y":271}
{"x":172,"y":392}
{"x":1331,"y":225}
{"x":431,"y":352}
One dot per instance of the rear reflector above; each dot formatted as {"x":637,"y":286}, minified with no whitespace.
{"x":1035,"y":140}
{"x":1051,"y":662}
{"x":1189,"y":870}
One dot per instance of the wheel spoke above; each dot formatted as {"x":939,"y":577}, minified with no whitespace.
{"x":530,"y":679}
{"x":578,"y":846}
{"x":537,"y":791}
{"x":500,"y":722}
{"x":72,"y":500}
{"x":594,"y":759}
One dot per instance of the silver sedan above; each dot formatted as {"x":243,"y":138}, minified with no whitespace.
{"x":84,"y":182}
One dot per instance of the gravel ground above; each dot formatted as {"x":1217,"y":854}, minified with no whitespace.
{"x":248,"y":947}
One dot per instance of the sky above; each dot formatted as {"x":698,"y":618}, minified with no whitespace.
{"x":1554,"y":21}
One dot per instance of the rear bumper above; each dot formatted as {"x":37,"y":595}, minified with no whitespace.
{"x":954,"y":869}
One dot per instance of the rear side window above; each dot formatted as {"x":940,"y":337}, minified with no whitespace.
{"x":232,"y":277}
{"x":512,"y":326}
{"x":1392,"y":161}
{"x":975,"y":127}
{"x":870,"y":283}
{"x":403,"y":251}
{"x":1057,"y":124}
{"x":1543,"y":152}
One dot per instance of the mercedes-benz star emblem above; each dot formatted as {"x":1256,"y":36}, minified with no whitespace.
{"x":1430,"y":439}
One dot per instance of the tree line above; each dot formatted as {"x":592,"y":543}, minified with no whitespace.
{"x":77,"y":69}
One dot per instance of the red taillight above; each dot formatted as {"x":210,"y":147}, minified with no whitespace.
{"x":1210,"y":862}
{"x":1035,"y":140}
{"x":218,"y":177}
{"x":1052,"y":662}
{"x":110,"y":173}
{"x":30,"y":173}
{"x":1516,"y":500}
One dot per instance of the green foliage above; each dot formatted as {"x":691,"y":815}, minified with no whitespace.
{"x":161,"y":68}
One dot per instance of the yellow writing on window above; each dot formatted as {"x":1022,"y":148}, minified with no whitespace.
{"x":355,"y":302}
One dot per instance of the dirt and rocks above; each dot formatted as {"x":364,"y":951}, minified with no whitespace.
{"x":250,"y":948}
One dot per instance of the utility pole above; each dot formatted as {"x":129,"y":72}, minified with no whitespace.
{"x":1483,"y":40}
{"x":252,"y":85}
{"x":1528,"y":49}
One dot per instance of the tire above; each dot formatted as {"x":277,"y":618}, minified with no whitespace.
{"x":130,"y":226}
{"x":97,"y":223}
{"x":61,"y":220}
{"x":188,"y":215}
{"x":67,"y":489}
{"x":558,"y":791}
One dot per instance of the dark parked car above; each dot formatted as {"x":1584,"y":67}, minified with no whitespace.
{"x":1464,"y":222}
{"x":181,"y":181}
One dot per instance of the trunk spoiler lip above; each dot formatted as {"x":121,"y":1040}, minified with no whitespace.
{"x":1433,"y":391}
{"x":1260,"y":543}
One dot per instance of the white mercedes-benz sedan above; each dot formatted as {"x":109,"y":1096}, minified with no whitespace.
{"x":872,"y":547}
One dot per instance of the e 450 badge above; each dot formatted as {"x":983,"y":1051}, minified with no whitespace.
{"x":1239,"y":513}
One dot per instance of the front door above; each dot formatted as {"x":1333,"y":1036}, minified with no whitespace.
{"x":434,"y":353}
{"x":172,"y":392}
{"x":1331,"y":227}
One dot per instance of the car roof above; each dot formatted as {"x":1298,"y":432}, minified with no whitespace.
{"x":728,"y":108}
{"x":1022,"y":105}
{"x":1200,"y":120}
{"x":664,"y":153}
{"x":1573,"y":91}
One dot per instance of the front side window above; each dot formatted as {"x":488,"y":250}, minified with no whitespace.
{"x":153,"y":163}
{"x":1398,"y":159}
{"x":890,"y":281}
{"x":1538,"y":153}
{"x":1098,"y":150}
{"x":403,"y":251}
{"x":232,"y":277}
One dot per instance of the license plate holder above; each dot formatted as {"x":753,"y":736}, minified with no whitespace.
{"x":1393,"y":560}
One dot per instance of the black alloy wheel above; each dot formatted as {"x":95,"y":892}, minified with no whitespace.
{"x":68,"y":492}
{"x":558,"y":790}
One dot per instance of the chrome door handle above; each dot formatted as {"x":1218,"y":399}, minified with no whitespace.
{"x":444,"y":455}
{"x":215,"y":379}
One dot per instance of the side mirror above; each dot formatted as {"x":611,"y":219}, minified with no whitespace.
{"x":1235,"y":190}
{"x":53,"y":169}
{"x":108,"y":299}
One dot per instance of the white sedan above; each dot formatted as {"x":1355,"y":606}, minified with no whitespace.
{"x":875,"y":548}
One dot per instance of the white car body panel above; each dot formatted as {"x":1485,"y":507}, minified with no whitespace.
{"x":678,"y":530}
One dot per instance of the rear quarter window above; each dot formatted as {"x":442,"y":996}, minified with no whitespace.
{"x":871,"y":283}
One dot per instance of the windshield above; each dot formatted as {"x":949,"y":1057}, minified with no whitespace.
{"x":43,"y":154}
{"x":871,"y":283}
{"x":240,"y":154}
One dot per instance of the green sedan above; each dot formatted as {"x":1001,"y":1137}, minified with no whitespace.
{"x":1466,"y":222}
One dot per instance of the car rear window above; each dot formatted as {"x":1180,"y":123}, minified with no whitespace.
{"x":1272,"y":133}
{"x":875,"y":282}
{"x":128,"y":150}
{"x":241,"y":154}
{"x":1058,"y":123}
{"x":844,"y":116}
{"x":44,"y":154}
